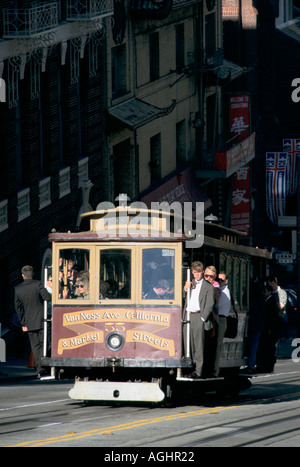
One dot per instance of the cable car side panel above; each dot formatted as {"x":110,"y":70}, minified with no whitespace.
{"x":116,"y":332}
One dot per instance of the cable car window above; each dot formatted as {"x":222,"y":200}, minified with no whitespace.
{"x":158,"y":273}
{"x":115,"y":274}
{"x":74,"y":274}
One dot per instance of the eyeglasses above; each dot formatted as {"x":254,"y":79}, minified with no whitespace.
{"x":209,"y":275}
{"x":221,"y":280}
{"x":80,"y":285}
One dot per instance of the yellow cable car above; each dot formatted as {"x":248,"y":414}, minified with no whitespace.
{"x":117,"y":302}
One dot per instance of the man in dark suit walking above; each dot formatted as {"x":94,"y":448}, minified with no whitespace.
{"x":201,"y":305}
{"x":29,"y":298}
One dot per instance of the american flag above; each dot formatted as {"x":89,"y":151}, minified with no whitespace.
{"x":292,"y":147}
{"x":276,"y":163}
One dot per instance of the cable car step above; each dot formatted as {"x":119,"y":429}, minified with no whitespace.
{"x":186,"y":378}
{"x":116,"y":391}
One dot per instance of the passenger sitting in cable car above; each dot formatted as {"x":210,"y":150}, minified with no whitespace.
{"x":104,"y":290}
{"x":159,"y":291}
{"x":82,"y":289}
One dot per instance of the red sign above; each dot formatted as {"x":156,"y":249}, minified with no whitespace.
{"x":240,"y":115}
{"x":241,"y":201}
{"x":143,"y":332}
{"x":244,"y":151}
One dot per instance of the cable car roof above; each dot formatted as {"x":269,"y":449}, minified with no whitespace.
{"x":116,"y":224}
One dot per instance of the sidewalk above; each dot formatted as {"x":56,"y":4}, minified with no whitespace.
{"x":285,"y":348}
{"x":14,"y":369}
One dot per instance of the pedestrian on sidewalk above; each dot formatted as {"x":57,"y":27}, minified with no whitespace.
{"x":270,"y":333}
{"x":255,"y":325}
{"x":29,"y":298}
{"x":280,"y":297}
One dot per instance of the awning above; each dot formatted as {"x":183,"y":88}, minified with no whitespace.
{"x":182,"y":187}
{"x":135,"y":113}
{"x":291,"y":29}
{"x":234,"y":69}
{"x":229,"y":71}
{"x":222,"y":72}
{"x":229,"y":162}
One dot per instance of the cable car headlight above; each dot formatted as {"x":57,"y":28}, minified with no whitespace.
{"x":115,"y":341}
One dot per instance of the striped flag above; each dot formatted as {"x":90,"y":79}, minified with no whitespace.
{"x":276,"y":163}
{"x":292,"y":147}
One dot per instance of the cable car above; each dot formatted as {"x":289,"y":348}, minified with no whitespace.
{"x":117,"y":303}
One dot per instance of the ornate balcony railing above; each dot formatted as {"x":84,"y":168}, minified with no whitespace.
{"x":3,"y":215}
{"x":88,"y":10}
{"x":30,"y":22}
{"x":45,"y":192}
{"x":23,"y":204}
{"x":64,"y":182}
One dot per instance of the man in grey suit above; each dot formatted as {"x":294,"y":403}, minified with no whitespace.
{"x":29,"y":298}
{"x":201,"y":304}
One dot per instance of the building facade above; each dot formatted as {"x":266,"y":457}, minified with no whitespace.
{"x":53,"y":147}
{"x":155,"y":99}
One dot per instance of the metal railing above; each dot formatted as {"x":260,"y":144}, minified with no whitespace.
{"x":30,"y":22}
{"x":83,"y":10}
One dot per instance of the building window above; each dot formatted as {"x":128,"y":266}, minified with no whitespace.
{"x":212,"y":122}
{"x":154,"y":56}
{"x":180,"y":53}
{"x":180,"y":143}
{"x":60,"y":117}
{"x":123,"y":169}
{"x":118,"y":71}
{"x":19,"y":145}
{"x":155,"y":157}
{"x":210,"y":34}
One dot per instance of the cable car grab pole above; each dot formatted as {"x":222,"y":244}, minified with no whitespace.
{"x":188,"y":329}
{"x":45,"y":315}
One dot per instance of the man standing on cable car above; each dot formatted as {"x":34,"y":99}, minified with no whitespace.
{"x":201,"y":305}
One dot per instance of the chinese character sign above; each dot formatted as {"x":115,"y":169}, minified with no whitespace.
{"x":241,"y":201}
{"x":276,"y":163}
{"x":292,"y":148}
{"x":240,"y":115}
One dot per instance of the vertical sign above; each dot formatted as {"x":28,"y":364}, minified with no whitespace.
{"x":240,"y":115}
{"x":276,"y":184}
{"x":292,"y":148}
{"x":240,"y":127}
{"x":240,"y":203}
